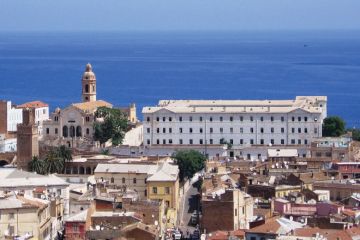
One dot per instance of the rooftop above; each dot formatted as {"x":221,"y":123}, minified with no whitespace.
{"x":33,"y":104}
{"x":91,"y":106}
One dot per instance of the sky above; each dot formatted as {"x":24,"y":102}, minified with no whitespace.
{"x":178,"y":15}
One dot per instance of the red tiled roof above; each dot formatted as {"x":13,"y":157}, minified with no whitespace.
{"x":271,"y":227}
{"x":33,"y":104}
{"x":329,"y":234}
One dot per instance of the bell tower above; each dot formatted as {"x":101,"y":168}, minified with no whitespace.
{"x":88,"y":83}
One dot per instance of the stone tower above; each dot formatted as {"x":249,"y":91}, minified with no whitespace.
{"x":88,"y":85}
{"x":27,"y":139}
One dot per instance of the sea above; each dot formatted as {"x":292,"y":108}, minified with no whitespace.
{"x":144,"y":67}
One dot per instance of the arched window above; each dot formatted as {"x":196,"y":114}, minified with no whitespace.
{"x":75,"y":170}
{"x":78,"y":131}
{"x":81,"y":170}
{"x":123,"y":180}
{"x":87,"y":131}
{"x":134,"y":180}
{"x":86,"y":88}
{"x":72,"y":131}
{"x":65,"y":131}
{"x":112,"y":180}
{"x":88,"y":170}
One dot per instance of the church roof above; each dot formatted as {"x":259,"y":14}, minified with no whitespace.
{"x":91,"y":106}
{"x":33,"y":104}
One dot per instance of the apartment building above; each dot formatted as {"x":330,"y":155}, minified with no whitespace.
{"x":236,"y":122}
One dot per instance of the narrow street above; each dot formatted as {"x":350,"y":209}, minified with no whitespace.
{"x":189,"y":204}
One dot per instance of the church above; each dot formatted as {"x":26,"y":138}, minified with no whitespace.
{"x":73,"y":125}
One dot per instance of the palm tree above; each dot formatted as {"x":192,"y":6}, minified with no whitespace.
{"x":37,"y":165}
{"x":64,"y":153}
{"x":54,"y":163}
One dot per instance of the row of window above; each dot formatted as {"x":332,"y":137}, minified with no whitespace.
{"x":56,"y":131}
{"x":231,"y":130}
{"x":231,"y":119}
{"x":166,"y":190}
{"x":56,"y":119}
{"x":231,"y":141}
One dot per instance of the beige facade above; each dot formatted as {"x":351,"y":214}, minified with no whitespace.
{"x":25,"y":216}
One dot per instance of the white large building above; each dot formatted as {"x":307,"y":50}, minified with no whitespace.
{"x":41,"y":113}
{"x":242,"y":123}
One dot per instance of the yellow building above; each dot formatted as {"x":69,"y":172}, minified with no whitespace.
{"x":25,"y":216}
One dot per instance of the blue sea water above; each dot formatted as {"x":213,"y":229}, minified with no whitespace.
{"x":144,"y":67}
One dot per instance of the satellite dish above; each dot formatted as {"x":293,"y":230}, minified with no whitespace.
{"x":156,"y":223}
{"x":97,"y":227}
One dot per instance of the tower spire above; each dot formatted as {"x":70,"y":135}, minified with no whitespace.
{"x":88,"y":83}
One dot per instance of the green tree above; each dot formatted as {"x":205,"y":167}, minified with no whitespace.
{"x":54,"y":163}
{"x":355,"y":134}
{"x":189,"y":162}
{"x":64,"y":153}
{"x":112,"y":127}
{"x":37,"y":165}
{"x":333,"y":126}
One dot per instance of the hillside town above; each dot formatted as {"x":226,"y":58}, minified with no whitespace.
{"x":184,"y":169}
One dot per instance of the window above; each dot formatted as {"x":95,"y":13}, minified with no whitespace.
{"x":211,"y":130}
{"x":170,"y":141}
{"x":251,"y":141}
{"x":148,"y":141}
{"x":231,"y":119}
{"x":231,"y":141}
{"x":180,"y":130}
{"x":262,"y":130}
{"x":170,"y":119}
{"x":75,"y":228}
{"x":299,"y":130}
{"x":157,"y":141}
{"x":112,"y":180}
{"x":251,"y":118}
{"x":221,"y":119}
{"x":305,"y":141}
{"x":180,"y":119}
{"x":282,"y":130}
{"x":241,"y":130}
{"x":305,"y":130}
{"x":292,"y":141}
{"x":148,"y":119}
{"x":164,"y":141}
{"x":282,"y":141}
{"x":148,"y":130}
{"x":272,"y":118}
{"x":299,"y":119}
{"x":56,"y":118}
{"x":167,"y":190}
{"x":200,"y":141}
{"x":221,"y":130}
{"x":241,"y":118}
{"x":158,"y":130}
{"x":190,"y":141}
{"x":211,"y":119}
{"x":211,"y":141}
{"x":272,"y":141}
{"x":315,"y":130}
{"x":305,"y":119}
{"x":293,"y":130}
{"x":87,"y":119}
{"x":262,"y":141}
{"x":201,"y":130}
{"x":47,"y":130}
{"x":262,"y":119}
{"x":190,"y":130}
{"x":154,"y":190}
{"x":180,"y":141}
{"x":299,"y":141}
{"x":134,"y":180}
{"x":164,"y":119}
{"x":56,"y":131}
{"x":231,"y":130}
{"x":241,"y":141}
{"x":272,"y":130}
{"x":190,"y":118}
{"x":170,"y":130}
{"x":282,"y":119}
{"x":11,"y":216}
{"x":87,"y":131}
{"x":252,"y":130}
{"x":235,"y":212}
{"x":318,"y":154}
{"x":200,"y":119}
{"x":157,"y":119}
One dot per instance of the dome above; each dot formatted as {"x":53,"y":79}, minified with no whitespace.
{"x":89,"y":74}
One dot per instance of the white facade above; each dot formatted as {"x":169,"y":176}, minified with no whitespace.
{"x":14,"y":117}
{"x":7,"y":144}
{"x":241,"y":123}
